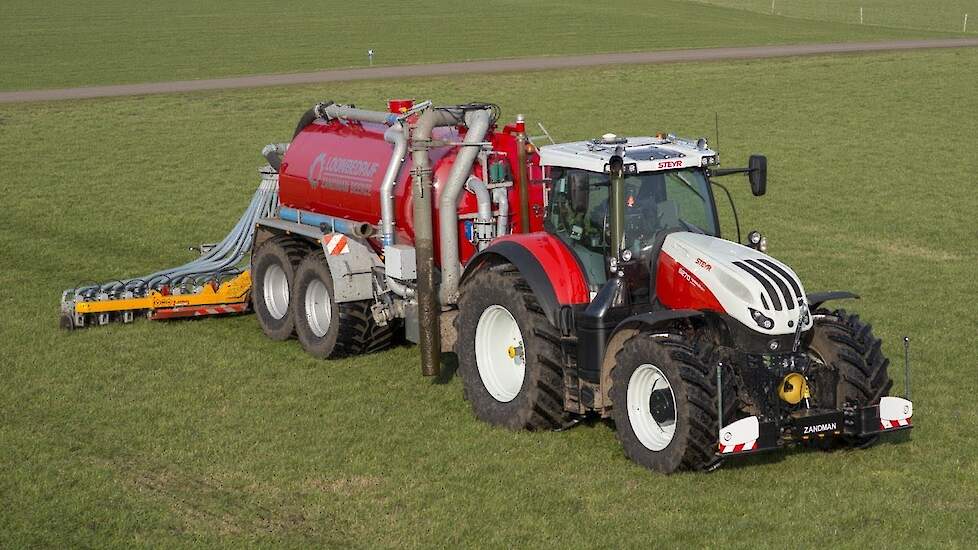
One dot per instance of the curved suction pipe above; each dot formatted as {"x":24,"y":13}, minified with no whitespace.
{"x":478,"y":124}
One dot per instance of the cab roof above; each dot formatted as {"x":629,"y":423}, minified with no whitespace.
{"x":640,"y":154}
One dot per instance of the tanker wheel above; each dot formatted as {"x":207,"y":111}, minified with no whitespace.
{"x":325,"y":328}
{"x":664,"y":403}
{"x":273,"y":268}
{"x":509,"y":354}
{"x":850,"y":363}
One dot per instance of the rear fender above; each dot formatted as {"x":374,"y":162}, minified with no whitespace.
{"x":350,"y":259}
{"x":547,"y":265}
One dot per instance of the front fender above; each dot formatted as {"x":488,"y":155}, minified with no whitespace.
{"x":816,"y":299}
{"x":625,"y":330}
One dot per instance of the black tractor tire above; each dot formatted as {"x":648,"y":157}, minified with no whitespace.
{"x":350,"y":329}
{"x":539,"y":403}
{"x":848,"y":347}
{"x":278,"y":253}
{"x":693,"y":445}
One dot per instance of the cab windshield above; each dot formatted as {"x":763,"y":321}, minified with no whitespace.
{"x":577,"y":210}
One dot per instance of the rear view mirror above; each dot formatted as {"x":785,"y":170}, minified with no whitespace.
{"x":578,"y":191}
{"x":757,"y":174}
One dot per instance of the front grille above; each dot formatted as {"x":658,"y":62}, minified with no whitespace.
{"x":780,"y":287}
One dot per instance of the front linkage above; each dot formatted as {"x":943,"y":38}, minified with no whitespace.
{"x":786,"y":416}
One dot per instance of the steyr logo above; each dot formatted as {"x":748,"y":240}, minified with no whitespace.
{"x":703,"y":263}
{"x":670,"y":164}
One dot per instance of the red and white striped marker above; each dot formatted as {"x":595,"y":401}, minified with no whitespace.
{"x":197,"y":311}
{"x":895,"y":412}
{"x":740,"y":436}
{"x":335,"y":244}
{"x":890,"y":424}
{"x":740,"y":447}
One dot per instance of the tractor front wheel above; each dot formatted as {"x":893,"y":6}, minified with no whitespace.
{"x":665,"y":403}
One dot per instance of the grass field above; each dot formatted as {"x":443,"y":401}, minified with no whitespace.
{"x":50,"y":45}
{"x":943,"y":15}
{"x":205,"y":433}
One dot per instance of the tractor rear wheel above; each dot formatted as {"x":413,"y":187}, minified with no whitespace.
{"x":273,"y":268}
{"x":327,"y":329}
{"x":846,"y":348}
{"x":509,"y":354}
{"x":664,"y":400}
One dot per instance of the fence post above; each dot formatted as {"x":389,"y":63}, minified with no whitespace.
{"x":860,"y":15}
{"x":965,"y":29}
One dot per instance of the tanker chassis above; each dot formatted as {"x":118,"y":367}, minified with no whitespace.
{"x":573,"y":279}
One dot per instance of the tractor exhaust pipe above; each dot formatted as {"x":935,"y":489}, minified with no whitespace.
{"x":617,"y":202}
{"x":524,"y":174}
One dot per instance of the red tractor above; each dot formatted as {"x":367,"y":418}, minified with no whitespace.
{"x":573,"y":279}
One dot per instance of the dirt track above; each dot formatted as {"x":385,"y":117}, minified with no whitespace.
{"x":490,"y":66}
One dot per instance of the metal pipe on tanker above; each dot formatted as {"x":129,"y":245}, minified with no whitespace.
{"x":395,"y":135}
{"x":352,"y":113}
{"x":478,"y":124}
{"x":501,"y":197}
{"x":524,"y":174}
{"x":347,"y":227}
{"x":483,"y":222}
{"x":421,"y":192}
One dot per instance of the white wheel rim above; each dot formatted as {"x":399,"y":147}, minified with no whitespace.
{"x":319,"y":307}
{"x":649,"y":419}
{"x":275,"y":290}
{"x":499,"y":353}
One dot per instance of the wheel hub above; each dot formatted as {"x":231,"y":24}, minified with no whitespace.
{"x":651,"y":407}
{"x":319,"y":308}
{"x":499,"y":352}
{"x":275,"y":291}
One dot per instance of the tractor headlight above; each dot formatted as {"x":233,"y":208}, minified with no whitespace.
{"x":757,"y":241}
{"x":762,"y":320}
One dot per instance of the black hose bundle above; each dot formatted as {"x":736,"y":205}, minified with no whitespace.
{"x":317,"y":111}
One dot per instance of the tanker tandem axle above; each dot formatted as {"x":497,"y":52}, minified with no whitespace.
{"x":573,"y":279}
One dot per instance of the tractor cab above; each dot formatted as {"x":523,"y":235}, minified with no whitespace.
{"x":664,"y":189}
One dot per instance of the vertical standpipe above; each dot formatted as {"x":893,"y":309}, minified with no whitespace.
{"x":429,"y":335}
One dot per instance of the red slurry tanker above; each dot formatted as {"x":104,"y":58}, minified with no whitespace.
{"x":571,"y":279}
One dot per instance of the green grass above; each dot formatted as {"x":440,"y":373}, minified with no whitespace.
{"x":186,"y":433}
{"x":47,"y":44}
{"x":944,"y":15}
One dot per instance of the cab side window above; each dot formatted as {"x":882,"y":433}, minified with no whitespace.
{"x":577,"y":212}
